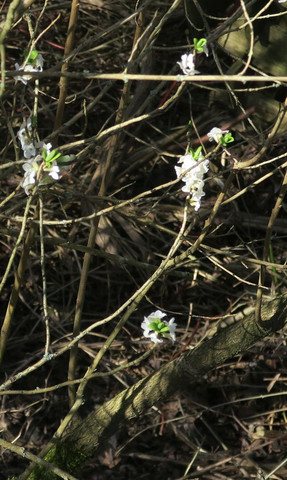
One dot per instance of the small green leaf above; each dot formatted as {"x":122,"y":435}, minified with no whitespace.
{"x":51,"y":155}
{"x":32,"y":57}
{"x":153,"y":326}
{"x":164,"y":329}
{"x":227,"y":138}
{"x":199,"y":44}
{"x":66,"y":159}
{"x":34,"y":54}
{"x":58,"y":154}
{"x":196,"y":154}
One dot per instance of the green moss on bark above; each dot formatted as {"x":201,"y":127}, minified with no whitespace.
{"x":64,"y":456}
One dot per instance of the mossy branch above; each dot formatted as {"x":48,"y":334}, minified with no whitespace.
{"x":90,"y":436}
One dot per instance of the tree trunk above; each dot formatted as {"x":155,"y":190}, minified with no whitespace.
{"x":91,"y":435}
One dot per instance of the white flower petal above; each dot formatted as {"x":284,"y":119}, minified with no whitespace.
{"x":216,"y":133}
{"x":39,"y":62}
{"x":37,"y":67}
{"x":154,"y":338}
{"x":29,"y":150}
{"x":187,"y":64}
{"x":172,"y":327}
{"x":54,"y":172}
{"x":30,"y":168}
{"x":155,"y":315}
{"x":28,"y":68}
{"x":27,"y":144}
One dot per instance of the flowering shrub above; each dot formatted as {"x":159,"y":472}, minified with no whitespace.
{"x":153,"y":326}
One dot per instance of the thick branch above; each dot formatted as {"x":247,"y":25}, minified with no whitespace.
{"x":91,"y":434}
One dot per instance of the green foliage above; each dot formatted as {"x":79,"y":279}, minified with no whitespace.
{"x":158,"y":326}
{"x":54,"y":156}
{"x":51,"y":157}
{"x":199,"y":44}
{"x":227,"y":138}
{"x":196,"y":153}
{"x":32,"y":57}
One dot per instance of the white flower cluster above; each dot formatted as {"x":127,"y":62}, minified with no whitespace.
{"x":153,"y":326}
{"x":215,"y":134}
{"x":187,"y":64}
{"x":33,"y":151}
{"x":187,"y":59}
{"x":192,"y":167}
{"x":24,"y":135}
{"x":35,"y":66}
{"x":193,"y":171}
